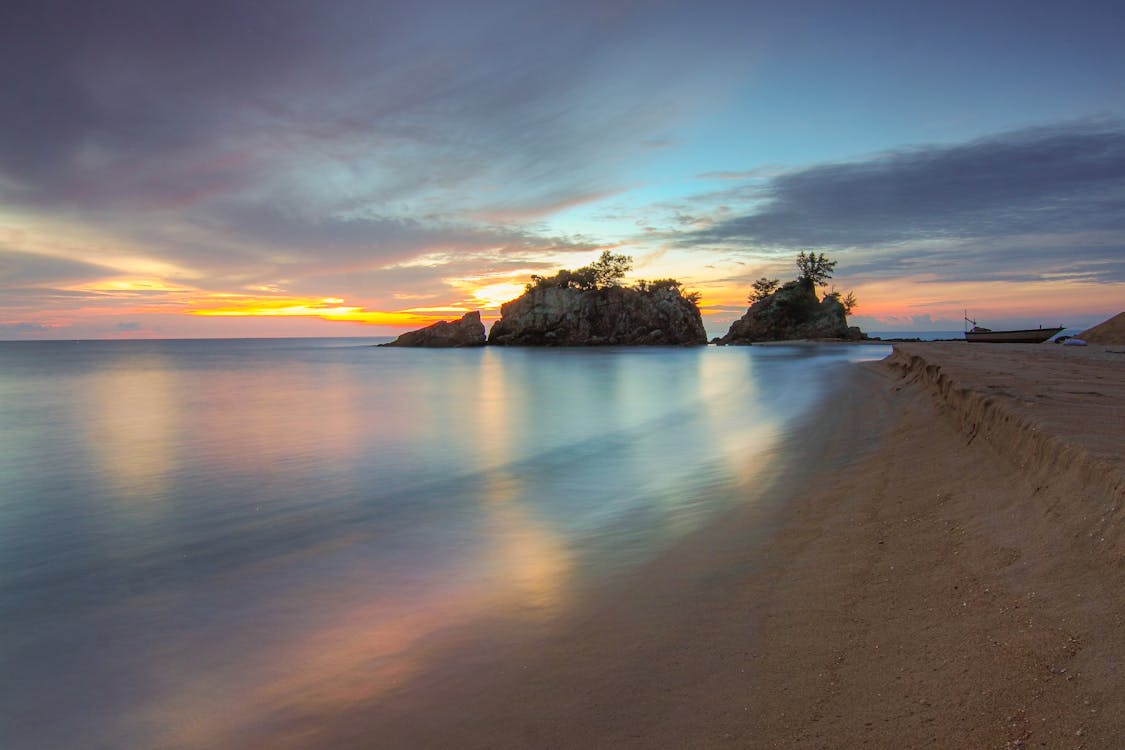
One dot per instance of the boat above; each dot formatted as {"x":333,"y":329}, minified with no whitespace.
{"x":980,"y":335}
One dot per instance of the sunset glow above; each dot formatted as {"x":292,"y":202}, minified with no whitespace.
{"x":314,"y":183}
{"x":329,"y":308}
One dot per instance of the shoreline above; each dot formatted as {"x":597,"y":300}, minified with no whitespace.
{"x":902,"y":579}
{"x":965,"y":580}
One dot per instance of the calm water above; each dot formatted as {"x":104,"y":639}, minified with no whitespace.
{"x":202,"y":538}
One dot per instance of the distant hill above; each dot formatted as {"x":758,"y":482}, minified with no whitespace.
{"x":1111,"y":331}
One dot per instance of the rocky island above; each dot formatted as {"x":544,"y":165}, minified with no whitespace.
{"x":795,"y":310}
{"x":590,"y":307}
{"x":566,"y":316}
{"x":468,"y":331}
{"x":583,"y":307}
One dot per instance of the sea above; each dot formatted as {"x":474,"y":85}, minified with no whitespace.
{"x":202,"y":539}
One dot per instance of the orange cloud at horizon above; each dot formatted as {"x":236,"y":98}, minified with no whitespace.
{"x":909,"y":302}
{"x":1048,"y":302}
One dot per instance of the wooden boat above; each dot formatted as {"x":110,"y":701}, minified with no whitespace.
{"x":980,"y":335}
{"x":1026,"y":336}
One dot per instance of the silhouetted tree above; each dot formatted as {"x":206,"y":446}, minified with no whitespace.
{"x":848,"y":301}
{"x":815,"y":268}
{"x":608,"y":269}
{"x":643,"y":285}
{"x":651,"y":287}
{"x":761,"y":289}
{"x":563,"y":279}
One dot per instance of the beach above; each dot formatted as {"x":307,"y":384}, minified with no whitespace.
{"x":938,"y":564}
{"x":960,"y":588}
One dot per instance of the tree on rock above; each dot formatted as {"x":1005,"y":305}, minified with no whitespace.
{"x":816,"y":269}
{"x":603,"y":273}
{"x":762,"y":288}
{"x":609,"y":269}
{"x":848,"y":301}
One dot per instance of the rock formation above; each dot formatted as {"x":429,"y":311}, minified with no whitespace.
{"x":468,"y":331}
{"x":565,"y":316}
{"x":792,"y":312}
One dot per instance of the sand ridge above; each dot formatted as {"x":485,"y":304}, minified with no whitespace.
{"x":1111,"y":331}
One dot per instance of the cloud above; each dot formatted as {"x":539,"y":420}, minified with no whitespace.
{"x":274,"y":143}
{"x":1032,"y":197}
{"x":746,"y":174}
{"x":23,"y":269}
{"x":1085,"y":257}
{"x":144,"y":106}
{"x":22,"y":329}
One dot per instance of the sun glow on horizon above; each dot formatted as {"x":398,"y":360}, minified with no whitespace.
{"x":325,"y":308}
{"x":492,"y":296}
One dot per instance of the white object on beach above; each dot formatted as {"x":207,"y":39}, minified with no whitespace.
{"x":1074,"y":342}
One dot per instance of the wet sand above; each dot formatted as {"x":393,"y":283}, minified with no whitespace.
{"x":940,"y":563}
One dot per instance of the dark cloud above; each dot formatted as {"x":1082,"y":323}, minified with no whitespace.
{"x":1057,"y":257}
{"x":154,"y":104}
{"x":1046,"y":180}
{"x":929,"y":209}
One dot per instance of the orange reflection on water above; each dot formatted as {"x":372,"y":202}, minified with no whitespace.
{"x":349,"y":656}
{"x":134,"y":420}
{"x":534,"y":563}
{"x":357,"y":649}
{"x":535,"y":560}
{"x":745,"y":446}
{"x":356,"y":646}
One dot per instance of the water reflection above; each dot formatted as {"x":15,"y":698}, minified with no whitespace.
{"x":335,"y":521}
{"x":527,"y":557}
{"x":130,"y":430}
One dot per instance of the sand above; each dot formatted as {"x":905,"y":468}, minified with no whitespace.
{"x":941,"y":563}
{"x":962,"y":587}
{"x":1111,"y":331}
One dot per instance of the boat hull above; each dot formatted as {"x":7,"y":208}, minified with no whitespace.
{"x":1028,"y":336}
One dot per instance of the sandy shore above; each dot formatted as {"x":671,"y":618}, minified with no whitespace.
{"x":962,"y":586}
{"x":941,"y":564}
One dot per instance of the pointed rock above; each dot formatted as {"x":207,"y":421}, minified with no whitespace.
{"x":468,"y":331}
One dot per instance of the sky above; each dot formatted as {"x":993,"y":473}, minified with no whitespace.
{"x":272,"y":168}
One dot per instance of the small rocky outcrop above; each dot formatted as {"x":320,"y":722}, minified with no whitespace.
{"x":566,"y":316}
{"x":792,"y":312}
{"x":468,"y":331}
